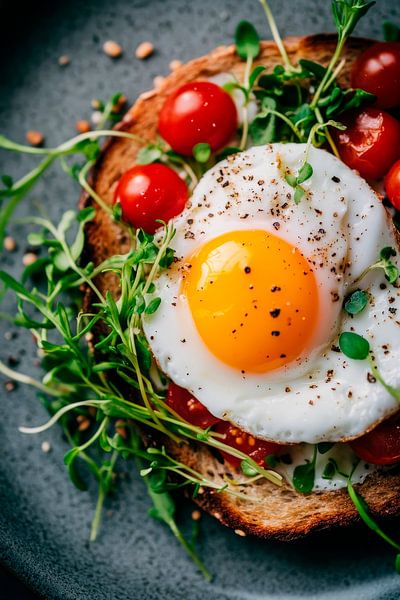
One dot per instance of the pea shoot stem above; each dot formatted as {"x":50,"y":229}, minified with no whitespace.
{"x":276,"y":35}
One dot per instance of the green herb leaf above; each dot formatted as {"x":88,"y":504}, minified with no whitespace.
{"x":353,"y":345}
{"x":313,"y":68}
{"x":298,"y":194}
{"x":324,"y":447}
{"x":397,"y":563}
{"x":347,"y":13}
{"x":305,"y":173}
{"x":271,"y":460}
{"x":329,"y":469}
{"x":143,"y":352}
{"x":255,"y":74}
{"x":248,"y":469}
{"x":148,"y":154}
{"x":152,"y":306}
{"x":7,"y":181}
{"x":291,"y":180}
{"x":202,"y":152}
{"x":247,"y":40}
{"x":303,"y":477}
{"x":356,"y":302}
{"x":391,"y":32}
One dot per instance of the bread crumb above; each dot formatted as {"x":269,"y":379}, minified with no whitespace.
{"x":175,"y":64}
{"x":148,"y":94}
{"x":112,"y":49}
{"x":10,"y":386}
{"x":82,"y":126}
{"x":240,"y":532}
{"x":64,"y":60}
{"x":196,"y":515}
{"x":46,"y":447}
{"x":201,"y":490}
{"x":29,"y":258}
{"x":35,"y":138}
{"x":144,"y":50}
{"x":158,"y":81}
{"x":9,"y":244}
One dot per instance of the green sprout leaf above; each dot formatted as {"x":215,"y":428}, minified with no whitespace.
{"x":324,"y":447}
{"x":303,"y":477}
{"x":149,"y":154}
{"x":7,"y":181}
{"x":152,"y":306}
{"x":271,"y":461}
{"x":305,"y":173}
{"x":353,"y":345}
{"x":248,"y":469}
{"x":298,"y":194}
{"x":202,"y":152}
{"x":329,"y":470}
{"x":356,"y":302}
{"x":247,"y":40}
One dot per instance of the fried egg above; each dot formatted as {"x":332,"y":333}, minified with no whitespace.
{"x":251,"y":310}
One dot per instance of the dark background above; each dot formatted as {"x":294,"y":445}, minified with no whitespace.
{"x":44,"y":524}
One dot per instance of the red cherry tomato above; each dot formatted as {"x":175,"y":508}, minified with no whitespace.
{"x":371,"y":142}
{"x":377,"y":71}
{"x":392,"y":185}
{"x":254,"y":447}
{"x":381,"y":446}
{"x":189,"y":408}
{"x":150,"y":192}
{"x":197,"y":112}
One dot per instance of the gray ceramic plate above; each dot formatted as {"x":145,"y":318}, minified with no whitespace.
{"x":45,"y":521}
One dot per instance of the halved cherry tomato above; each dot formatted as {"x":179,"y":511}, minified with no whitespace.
{"x":371,"y":142}
{"x":189,"y":408}
{"x":199,"y":111}
{"x":254,"y":447}
{"x":381,"y":446}
{"x":392,"y":185}
{"x":377,"y":71}
{"x":150,"y":192}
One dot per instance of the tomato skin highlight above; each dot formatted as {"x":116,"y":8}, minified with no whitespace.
{"x":392,"y":185}
{"x":381,"y":446}
{"x":150,"y":192}
{"x":189,"y":408}
{"x":255,"y":448}
{"x":377,"y":71}
{"x":371,"y":142}
{"x":197,"y":112}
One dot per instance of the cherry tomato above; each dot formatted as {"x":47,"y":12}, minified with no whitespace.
{"x":189,"y":408}
{"x":371,"y":142}
{"x":381,"y":446}
{"x":377,"y":71}
{"x":254,"y":447}
{"x":150,"y":192}
{"x":197,"y":112}
{"x":392,"y":185}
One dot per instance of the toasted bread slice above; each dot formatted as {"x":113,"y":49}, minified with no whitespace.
{"x":269,"y":511}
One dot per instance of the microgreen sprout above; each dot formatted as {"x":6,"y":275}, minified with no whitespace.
{"x":385,"y":262}
{"x":356,"y":302}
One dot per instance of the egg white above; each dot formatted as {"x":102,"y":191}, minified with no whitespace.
{"x":323,"y":396}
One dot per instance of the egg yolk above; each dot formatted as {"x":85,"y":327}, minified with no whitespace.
{"x":253,"y":298}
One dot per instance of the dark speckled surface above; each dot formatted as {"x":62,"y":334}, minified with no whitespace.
{"x":45,"y":522}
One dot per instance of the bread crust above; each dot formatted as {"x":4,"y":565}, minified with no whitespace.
{"x":269,"y":511}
